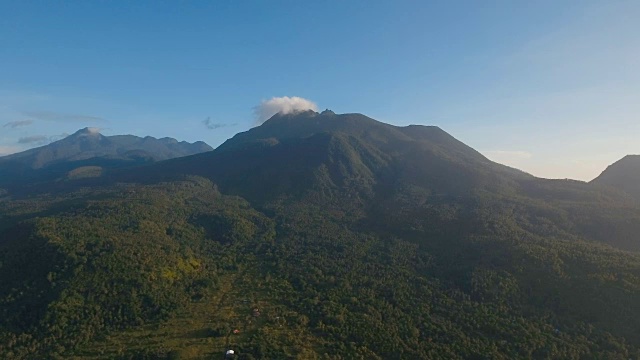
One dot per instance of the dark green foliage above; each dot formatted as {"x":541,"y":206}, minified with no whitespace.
{"x":357,"y":240}
{"x":121,"y":258}
{"x":623,"y":175}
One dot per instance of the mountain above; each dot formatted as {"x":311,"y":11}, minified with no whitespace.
{"x":296,"y":152}
{"x":623,"y":175}
{"x":321,"y":236}
{"x":87,"y":151}
{"x":395,"y":173}
{"x":88,"y":143}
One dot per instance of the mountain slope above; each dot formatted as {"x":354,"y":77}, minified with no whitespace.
{"x":623,"y":175}
{"x":397,"y":174}
{"x":88,"y":143}
{"x":180,"y":266}
{"x":328,"y":149}
{"x":321,"y":236}
{"x":86,"y":148}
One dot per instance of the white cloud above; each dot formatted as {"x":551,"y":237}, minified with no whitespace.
{"x":89,"y":131}
{"x":284,"y":105}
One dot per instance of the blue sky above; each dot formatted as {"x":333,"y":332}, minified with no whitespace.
{"x":551,"y":87}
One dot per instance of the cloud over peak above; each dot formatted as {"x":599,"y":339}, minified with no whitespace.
{"x":283,"y":105}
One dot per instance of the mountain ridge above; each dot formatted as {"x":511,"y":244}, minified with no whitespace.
{"x":624,"y":175}
{"x":88,"y":147}
{"x":89,"y":142}
{"x":281,"y":133}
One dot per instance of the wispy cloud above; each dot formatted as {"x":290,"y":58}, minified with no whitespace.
{"x":41,"y":139}
{"x":284,"y":105}
{"x":511,"y":154}
{"x":93,"y":130}
{"x":65,"y":117}
{"x":15,"y":124}
{"x":213,"y":125}
{"x":35,"y":139}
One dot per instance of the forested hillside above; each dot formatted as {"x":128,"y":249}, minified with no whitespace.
{"x":624,"y":175}
{"x":321,"y":236}
{"x":88,"y":154}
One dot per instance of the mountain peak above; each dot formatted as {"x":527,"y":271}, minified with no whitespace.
{"x":88,"y":143}
{"x":88,"y":131}
{"x":624,"y":175}
{"x":292,"y":114}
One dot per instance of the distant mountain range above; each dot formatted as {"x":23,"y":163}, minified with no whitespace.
{"x":624,"y":175}
{"x":314,"y":235}
{"x":89,"y":149}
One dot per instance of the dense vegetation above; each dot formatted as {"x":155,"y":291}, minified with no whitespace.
{"x":354,"y":240}
{"x":623,"y":174}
